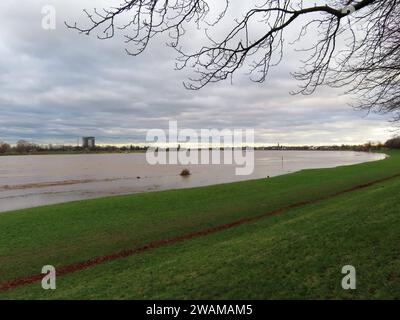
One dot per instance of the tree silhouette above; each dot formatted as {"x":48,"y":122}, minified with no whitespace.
{"x":368,"y":64}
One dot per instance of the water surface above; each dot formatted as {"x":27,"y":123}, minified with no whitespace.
{"x":28,"y":181}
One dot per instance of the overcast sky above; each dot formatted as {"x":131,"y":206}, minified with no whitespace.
{"x":57,"y":85}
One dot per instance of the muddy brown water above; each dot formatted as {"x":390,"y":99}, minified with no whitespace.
{"x":29,"y":181}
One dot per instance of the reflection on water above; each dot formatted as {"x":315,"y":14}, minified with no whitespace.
{"x":27,"y":181}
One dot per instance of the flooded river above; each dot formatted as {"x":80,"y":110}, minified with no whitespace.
{"x":28,"y":181}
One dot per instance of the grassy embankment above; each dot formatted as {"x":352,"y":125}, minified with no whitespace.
{"x":296,"y":254}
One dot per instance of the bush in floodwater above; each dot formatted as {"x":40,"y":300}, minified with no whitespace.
{"x":185,"y":173}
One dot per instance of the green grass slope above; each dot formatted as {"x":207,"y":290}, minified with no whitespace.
{"x":297,"y":254}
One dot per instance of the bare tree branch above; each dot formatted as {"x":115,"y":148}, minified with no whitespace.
{"x":369,"y":64}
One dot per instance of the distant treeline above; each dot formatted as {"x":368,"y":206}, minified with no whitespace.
{"x":393,"y":143}
{"x":25,"y":147}
{"x":364,"y":147}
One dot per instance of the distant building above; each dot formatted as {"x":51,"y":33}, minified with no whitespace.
{"x":88,"y":142}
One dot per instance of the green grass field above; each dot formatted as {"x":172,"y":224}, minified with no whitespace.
{"x":296,"y":254}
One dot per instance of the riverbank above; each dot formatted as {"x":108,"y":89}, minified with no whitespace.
{"x":35,"y":150}
{"x":298,"y":252}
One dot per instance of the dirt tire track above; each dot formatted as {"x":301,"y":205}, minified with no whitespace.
{"x":62,"y":270}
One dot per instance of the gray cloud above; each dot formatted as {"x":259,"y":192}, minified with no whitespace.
{"x":59,"y":85}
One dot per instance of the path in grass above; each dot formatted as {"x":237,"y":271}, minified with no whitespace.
{"x":296,"y":254}
{"x":62,"y":234}
{"x":13,"y":283}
